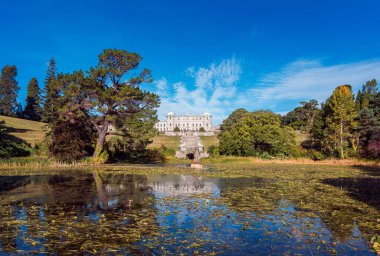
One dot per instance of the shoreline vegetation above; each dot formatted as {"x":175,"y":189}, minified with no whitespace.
{"x":45,"y":163}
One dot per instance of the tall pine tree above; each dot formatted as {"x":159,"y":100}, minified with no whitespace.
{"x":33,"y":109}
{"x":51,"y":93}
{"x":8,"y":91}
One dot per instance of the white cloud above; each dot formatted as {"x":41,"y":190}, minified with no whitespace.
{"x":161,"y":86}
{"x":214,"y":88}
{"x":214,"y":91}
{"x":305,"y":80}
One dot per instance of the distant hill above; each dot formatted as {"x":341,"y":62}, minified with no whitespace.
{"x":30,"y":131}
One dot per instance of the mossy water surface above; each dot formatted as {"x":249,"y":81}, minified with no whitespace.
{"x":232,"y":208}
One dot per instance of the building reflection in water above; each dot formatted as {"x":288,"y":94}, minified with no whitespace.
{"x":175,"y":185}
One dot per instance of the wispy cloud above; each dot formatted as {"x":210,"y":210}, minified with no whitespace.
{"x":213,"y":90}
{"x":307,"y":79}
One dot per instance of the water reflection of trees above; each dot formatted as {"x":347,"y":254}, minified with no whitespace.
{"x":65,"y":215}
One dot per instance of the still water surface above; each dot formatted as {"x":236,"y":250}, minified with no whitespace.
{"x":110,"y":214}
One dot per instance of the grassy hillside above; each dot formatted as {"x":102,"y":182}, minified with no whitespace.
{"x":170,"y":142}
{"x":30,"y":131}
{"x":209,"y":140}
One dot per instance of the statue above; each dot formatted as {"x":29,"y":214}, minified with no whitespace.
{"x":196,"y":164}
{"x":196,"y":155}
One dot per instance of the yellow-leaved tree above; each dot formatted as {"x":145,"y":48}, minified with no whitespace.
{"x":342,"y":120}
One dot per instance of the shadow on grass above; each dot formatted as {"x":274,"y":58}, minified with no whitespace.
{"x":370,"y":170}
{"x":16,"y":130}
{"x":366,"y":190}
{"x":11,"y":146}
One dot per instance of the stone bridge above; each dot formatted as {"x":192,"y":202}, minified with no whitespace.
{"x":191,"y":147}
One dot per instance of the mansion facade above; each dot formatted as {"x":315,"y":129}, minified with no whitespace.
{"x":185,"y":123}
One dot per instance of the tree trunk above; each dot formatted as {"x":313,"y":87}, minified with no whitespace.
{"x":341,"y":140}
{"x":101,"y":138}
{"x":103,"y":200}
{"x":355,"y":143}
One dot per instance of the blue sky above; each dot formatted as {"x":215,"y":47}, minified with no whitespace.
{"x":212,"y":56}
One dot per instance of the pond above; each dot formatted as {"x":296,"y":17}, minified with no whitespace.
{"x":106,"y":213}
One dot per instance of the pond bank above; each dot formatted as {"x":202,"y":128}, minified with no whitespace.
{"x":38,"y":163}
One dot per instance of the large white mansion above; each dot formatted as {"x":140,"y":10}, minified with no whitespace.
{"x":185,"y":123}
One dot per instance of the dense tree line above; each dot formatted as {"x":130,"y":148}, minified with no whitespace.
{"x":343,"y":126}
{"x":80,"y":107}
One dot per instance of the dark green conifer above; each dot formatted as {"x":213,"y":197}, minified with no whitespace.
{"x":8,"y":91}
{"x":51,"y":94}
{"x":33,"y":109}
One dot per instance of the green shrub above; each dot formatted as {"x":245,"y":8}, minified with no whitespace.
{"x":169,"y":152}
{"x":213,"y":151}
{"x":316,"y":155}
{"x":301,"y":152}
{"x":266,"y":156}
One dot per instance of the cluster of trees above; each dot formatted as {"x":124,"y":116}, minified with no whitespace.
{"x":343,"y":126}
{"x":257,"y":133}
{"x":8,"y":96}
{"x":349,"y":126}
{"x":80,"y":107}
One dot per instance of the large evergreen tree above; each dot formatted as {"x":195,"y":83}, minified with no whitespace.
{"x":8,"y":91}
{"x":115,"y":92}
{"x":51,"y":93}
{"x":71,"y":132}
{"x":33,"y":109}
{"x":110,"y":95}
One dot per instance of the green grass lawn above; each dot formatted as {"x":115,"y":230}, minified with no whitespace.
{"x":31,"y":131}
{"x":170,"y":142}
{"x":209,"y":140}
